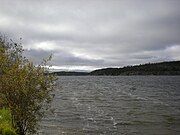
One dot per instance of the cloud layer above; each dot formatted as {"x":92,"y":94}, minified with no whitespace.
{"x":86,"y":34}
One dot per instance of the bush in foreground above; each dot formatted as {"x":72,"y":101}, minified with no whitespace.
{"x":25,"y":89}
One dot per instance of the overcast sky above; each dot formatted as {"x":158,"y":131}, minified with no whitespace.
{"x":91,"y":34}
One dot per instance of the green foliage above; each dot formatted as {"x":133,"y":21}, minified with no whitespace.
{"x":5,"y":123}
{"x":5,"y":116}
{"x":25,"y":89}
{"x":8,"y":131}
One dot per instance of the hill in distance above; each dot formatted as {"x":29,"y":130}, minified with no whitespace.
{"x":67,"y":73}
{"x":163,"y":68}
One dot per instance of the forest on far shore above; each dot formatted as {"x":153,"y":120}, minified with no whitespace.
{"x":162,"y":68}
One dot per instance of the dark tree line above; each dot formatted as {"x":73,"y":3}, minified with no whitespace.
{"x":163,"y":68}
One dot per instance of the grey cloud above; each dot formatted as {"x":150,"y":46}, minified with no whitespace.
{"x":60,"y":58}
{"x":109,"y":33}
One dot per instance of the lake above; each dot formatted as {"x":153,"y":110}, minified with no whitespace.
{"x":121,"y":105}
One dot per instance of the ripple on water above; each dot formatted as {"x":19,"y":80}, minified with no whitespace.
{"x":115,"y":105}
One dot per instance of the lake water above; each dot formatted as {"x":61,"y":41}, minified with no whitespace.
{"x":123,"y":105}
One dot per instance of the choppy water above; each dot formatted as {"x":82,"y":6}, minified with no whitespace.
{"x":124,"y":105}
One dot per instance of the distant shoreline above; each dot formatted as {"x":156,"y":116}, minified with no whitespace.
{"x":171,"y":68}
